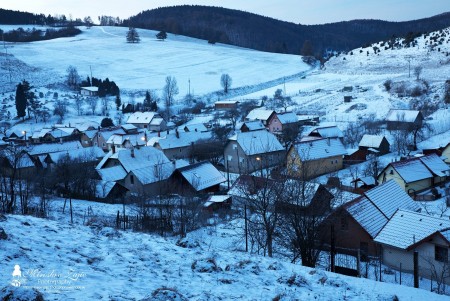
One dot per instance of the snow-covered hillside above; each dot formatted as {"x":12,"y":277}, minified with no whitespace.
{"x":145,"y":65}
{"x":99,"y":263}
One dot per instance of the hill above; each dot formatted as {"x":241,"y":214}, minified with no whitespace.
{"x":263,"y":33}
{"x":90,"y":261}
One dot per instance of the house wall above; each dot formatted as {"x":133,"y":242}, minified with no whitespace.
{"x":446,"y":154}
{"x":274,"y":125}
{"x":99,"y":141}
{"x":236,"y":161}
{"x":393,"y":257}
{"x":157,"y":128}
{"x":351,"y":237}
{"x":312,"y":168}
{"x":85,"y":141}
{"x":178,"y":153}
{"x":151,"y":189}
{"x":408,"y":187}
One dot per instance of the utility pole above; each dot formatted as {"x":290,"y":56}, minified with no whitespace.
{"x":409,"y":58}
{"x":90,"y":68}
{"x":189,"y":82}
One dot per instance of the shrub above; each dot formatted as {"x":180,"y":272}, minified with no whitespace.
{"x":106,"y":122}
{"x":387,"y":85}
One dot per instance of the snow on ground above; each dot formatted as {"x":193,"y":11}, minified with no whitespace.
{"x":77,"y":262}
{"x":145,"y":65}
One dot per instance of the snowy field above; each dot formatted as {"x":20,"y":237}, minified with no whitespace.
{"x":145,"y":65}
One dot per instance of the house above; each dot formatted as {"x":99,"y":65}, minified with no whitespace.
{"x":304,"y":119}
{"x":375,"y":144}
{"x":197,"y":127}
{"x":146,"y":169}
{"x":39,"y":152}
{"x":101,"y":137}
{"x":357,"y":223}
{"x":404,"y":119}
{"x":311,"y":158}
{"x":130,"y":137}
{"x":16,"y":161}
{"x":180,"y":145}
{"x":249,"y":126}
{"x":327,"y":132}
{"x":109,"y":191}
{"x":260,"y":114}
{"x":416,"y":174}
{"x":251,"y":151}
{"x":197,"y":178}
{"x":281,"y":121}
{"x":409,"y":231}
{"x":89,"y":91}
{"x":217,"y":203}
{"x":226,"y":105}
{"x":151,"y":121}
{"x":446,"y":153}
{"x":91,"y":154}
{"x":87,"y":137}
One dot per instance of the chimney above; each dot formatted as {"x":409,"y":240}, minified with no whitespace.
{"x":132,"y":152}
{"x":60,"y":140}
{"x":177,"y":134}
{"x":159,"y":134}
{"x":113,"y":148}
{"x":328,"y":141}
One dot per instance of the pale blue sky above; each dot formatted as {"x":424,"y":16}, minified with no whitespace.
{"x":298,"y":11}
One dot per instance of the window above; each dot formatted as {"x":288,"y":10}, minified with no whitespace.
{"x":344,"y":223}
{"x":132,"y":180}
{"x":234,"y":146}
{"x":441,"y":254}
{"x":229,"y":158}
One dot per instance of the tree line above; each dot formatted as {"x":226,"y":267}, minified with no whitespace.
{"x":35,"y":34}
{"x":235,"y":27}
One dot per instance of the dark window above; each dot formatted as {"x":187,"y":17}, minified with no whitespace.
{"x":364,"y":250}
{"x":441,"y":254}
{"x":132,"y":179}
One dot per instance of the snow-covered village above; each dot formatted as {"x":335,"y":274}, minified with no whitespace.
{"x":147,"y":163}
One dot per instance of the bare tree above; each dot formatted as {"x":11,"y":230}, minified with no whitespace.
{"x":418,"y":71}
{"x":225,"y":82}
{"x":280,"y":100}
{"x":92,"y":102}
{"x":78,"y":104}
{"x":353,"y":134}
{"x":73,"y":79}
{"x":170,"y":90}
{"x":60,"y":109}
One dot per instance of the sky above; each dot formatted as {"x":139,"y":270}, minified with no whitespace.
{"x":297,"y":11}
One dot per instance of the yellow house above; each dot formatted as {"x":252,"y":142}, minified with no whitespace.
{"x":315,"y":157}
{"x":416,"y":174}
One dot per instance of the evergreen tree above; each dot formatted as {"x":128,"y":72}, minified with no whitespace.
{"x":21,"y":101}
{"x":118,"y":101}
{"x":162,"y":35}
{"x":147,"y":101}
{"x":133,"y":36}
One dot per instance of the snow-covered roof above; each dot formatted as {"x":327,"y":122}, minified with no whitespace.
{"x":373,"y":210}
{"x":202,"y":175}
{"x":327,"y":132}
{"x":91,"y":133}
{"x":128,"y":127}
{"x":252,"y":125}
{"x":402,"y":115}
{"x":184,"y":139}
{"x":92,"y":89}
{"x":141,"y":117}
{"x":156,"y":121}
{"x":259,"y":114}
{"x":412,"y":170}
{"x":103,"y":188}
{"x":106,"y":133}
{"x":87,"y":154}
{"x":219,"y":102}
{"x":389,"y":197}
{"x":257,"y":142}
{"x":198,"y":127}
{"x":114,"y":173}
{"x":215,"y":199}
{"x":436,"y":165}
{"x":137,"y":139}
{"x":154,"y":173}
{"x":367,"y":215}
{"x":320,"y":148}
{"x":146,"y":156}
{"x":46,"y":148}
{"x":371,"y":141}
{"x":288,"y":117}
{"x":406,"y":228}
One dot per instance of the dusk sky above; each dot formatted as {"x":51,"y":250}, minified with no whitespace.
{"x":298,"y":11}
